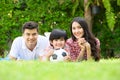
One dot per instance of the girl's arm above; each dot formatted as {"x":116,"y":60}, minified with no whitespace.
{"x":46,"y":57}
{"x":67,"y":58}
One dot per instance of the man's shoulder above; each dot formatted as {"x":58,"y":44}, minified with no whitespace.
{"x":19,"y":38}
{"x":41,"y":37}
{"x":43,"y":41}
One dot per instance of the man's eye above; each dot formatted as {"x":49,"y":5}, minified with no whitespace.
{"x":34,"y":34}
{"x":27,"y":34}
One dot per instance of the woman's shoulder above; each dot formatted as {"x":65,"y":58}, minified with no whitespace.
{"x":71,"y":43}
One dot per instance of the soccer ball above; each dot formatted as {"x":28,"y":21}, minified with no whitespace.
{"x":58,"y":55}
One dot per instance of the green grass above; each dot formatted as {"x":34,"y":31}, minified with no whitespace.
{"x":35,"y":70}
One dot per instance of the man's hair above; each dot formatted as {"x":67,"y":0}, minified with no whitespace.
{"x":30,"y":25}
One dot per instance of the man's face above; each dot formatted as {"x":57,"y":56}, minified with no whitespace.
{"x":30,"y":37}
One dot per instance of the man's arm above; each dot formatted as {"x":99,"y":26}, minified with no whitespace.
{"x":14,"y":49}
{"x":12,"y":58}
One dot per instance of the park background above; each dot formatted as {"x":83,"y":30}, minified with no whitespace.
{"x":102,"y":16}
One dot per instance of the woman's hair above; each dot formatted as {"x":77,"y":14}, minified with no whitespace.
{"x":87,"y":35}
{"x":57,"y":34}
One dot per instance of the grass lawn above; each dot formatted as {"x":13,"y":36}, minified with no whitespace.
{"x":35,"y":70}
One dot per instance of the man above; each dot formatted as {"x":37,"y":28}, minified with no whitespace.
{"x":30,"y":45}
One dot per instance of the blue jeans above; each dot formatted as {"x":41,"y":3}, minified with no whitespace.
{"x":6,"y":58}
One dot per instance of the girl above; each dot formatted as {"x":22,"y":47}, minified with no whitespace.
{"x":57,"y":40}
{"x":83,"y":45}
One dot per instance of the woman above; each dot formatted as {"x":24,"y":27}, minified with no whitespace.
{"x":83,"y":45}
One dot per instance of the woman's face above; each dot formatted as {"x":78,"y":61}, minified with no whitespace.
{"x":77,"y":30}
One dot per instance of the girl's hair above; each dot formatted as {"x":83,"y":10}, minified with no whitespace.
{"x":87,"y":35}
{"x":57,"y":34}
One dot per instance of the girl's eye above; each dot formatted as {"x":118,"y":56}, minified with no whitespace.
{"x":62,"y":39}
{"x":56,"y":40}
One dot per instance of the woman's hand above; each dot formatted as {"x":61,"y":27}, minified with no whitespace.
{"x":82,"y":44}
{"x":81,"y":41}
{"x":85,"y":46}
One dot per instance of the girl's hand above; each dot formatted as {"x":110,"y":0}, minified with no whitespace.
{"x":46,"y":56}
{"x":67,"y":58}
{"x":49,"y":53}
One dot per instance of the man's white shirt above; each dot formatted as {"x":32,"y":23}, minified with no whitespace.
{"x":20,"y":51}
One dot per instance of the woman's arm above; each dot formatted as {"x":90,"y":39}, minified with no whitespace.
{"x":81,"y":54}
{"x":88,"y":50}
{"x":84,"y":47}
{"x":81,"y":42}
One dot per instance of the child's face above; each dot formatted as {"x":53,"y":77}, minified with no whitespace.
{"x":58,"y":43}
{"x":77,"y":30}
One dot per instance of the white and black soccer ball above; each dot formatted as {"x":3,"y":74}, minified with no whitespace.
{"x":58,"y":55}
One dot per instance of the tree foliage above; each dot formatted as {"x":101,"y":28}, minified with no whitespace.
{"x":110,"y":16}
{"x":58,"y":14}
